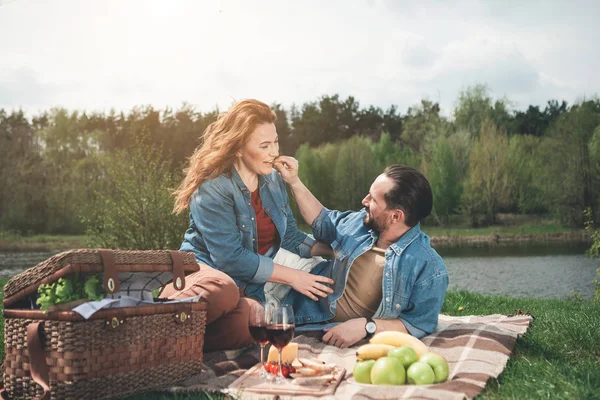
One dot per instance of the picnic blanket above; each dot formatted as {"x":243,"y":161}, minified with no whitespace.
{"x":477,"y":348}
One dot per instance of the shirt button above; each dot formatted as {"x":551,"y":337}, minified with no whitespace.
{"x":397,"y":305}
{"x":387,"y":299}
{"x":249,"y":204}
{"x":308,"y":319}
{"x":254,"y":240}
{"x":252,"y":218}
{"x":387,"y":274}
{"x":243,"y":226}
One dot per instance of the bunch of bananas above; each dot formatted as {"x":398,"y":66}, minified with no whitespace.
{"x":382,"y":342}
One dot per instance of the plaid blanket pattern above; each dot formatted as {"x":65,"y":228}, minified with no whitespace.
{"x":477,"y":348}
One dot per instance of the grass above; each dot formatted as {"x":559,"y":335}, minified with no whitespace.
{"x":531,"y":227}
{"x":509,"y":224}
{"x":558,"y":358}
{"x":10,"y":241}
{"x":526,"y":229}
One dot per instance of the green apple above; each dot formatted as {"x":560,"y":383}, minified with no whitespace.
{"x":388,"y":371}
{"x":438,"y":364}
{"x":362,"y":371}
{"x":420,"y":373}
{"x":405,"y":354}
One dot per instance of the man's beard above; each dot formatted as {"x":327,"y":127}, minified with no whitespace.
{"x":372,"y":223}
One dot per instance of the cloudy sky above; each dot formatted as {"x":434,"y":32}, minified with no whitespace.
{"x":101,"y":54}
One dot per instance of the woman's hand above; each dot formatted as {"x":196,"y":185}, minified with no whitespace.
{"x":311,"y":285}
{"x":288,"y":168}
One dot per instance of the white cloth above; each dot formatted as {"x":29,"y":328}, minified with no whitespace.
{"x":276,"y":292}
{"x":86,"y":310}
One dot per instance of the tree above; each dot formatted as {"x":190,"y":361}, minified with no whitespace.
{"x":489,"y":183}
{"x":422,"y":121}
{"x":387,"y":152}
{"x":21,"y":174}
{"x":69,"y":172}
{"x":134,"y":209}
{"x":443,"y":177}
{"x":571,"y":182}
{"x":355,"y":170}
{"x":524,"y":165}
{"x":475,"y":105}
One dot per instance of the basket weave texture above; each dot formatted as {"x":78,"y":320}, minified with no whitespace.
{"x":89,"y":256}
{"x":115,"y":353}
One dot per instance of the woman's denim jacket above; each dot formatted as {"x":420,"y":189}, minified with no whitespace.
{"x":414,"y":283}
{"x":222,"y":230}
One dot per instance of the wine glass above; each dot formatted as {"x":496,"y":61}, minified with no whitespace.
{"x":280,"y":330}
{"x":257,"y":324}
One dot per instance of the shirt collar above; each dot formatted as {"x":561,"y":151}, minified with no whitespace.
{"x":406,"y":239}
{"x":262,"y":180}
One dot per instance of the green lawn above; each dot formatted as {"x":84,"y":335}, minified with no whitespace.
{"x":525,"y":229}
{"x":15,"y":242}
{"x":558,"y":358}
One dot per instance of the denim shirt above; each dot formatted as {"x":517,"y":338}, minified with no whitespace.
{"x":414,"y":280}
{"x":223,"y":232}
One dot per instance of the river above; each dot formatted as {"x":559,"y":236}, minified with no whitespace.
{"x":545,"y":271}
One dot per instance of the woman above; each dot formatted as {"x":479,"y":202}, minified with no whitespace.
{"x":239,"y":219}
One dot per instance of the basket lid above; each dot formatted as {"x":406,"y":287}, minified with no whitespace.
{"x":108,"y":262}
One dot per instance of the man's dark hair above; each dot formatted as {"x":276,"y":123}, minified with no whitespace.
{"x":411,"y":193}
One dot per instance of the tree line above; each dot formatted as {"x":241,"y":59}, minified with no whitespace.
{"x":71,"y":172}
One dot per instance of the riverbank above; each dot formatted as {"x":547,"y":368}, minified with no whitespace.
{"x":12,"y":242}
{"x":495,"y":238}
{"x":454,"y":236}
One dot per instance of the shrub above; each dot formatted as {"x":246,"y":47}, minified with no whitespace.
{"x":133,"y":206}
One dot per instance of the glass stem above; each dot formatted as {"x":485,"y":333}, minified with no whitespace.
{"x":262,"y":355}
{"x":280,"y":374}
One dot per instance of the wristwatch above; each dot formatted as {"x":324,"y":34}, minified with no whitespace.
{"x":370,"y":327}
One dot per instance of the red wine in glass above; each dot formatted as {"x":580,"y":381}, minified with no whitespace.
{"x":280,"y":335}
{"x":257,"y":325}
{"x":259,"y":333}
{"x":280,"y":331}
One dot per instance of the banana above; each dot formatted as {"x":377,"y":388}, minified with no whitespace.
{"x":396,"y":339}
{"x":372,"y":351}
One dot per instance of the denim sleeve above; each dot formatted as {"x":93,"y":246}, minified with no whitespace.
{"x":213,"y":213}
{"x":325,"y":226}
{"x":294,"y":240}
{"x":429,"y":293}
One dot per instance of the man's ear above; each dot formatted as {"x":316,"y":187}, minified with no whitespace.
{"x":398,"y":216}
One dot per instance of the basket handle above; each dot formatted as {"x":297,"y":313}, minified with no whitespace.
{"x":110,"y":281}
{"x":178,"y":270}
{"x":37,"y":358}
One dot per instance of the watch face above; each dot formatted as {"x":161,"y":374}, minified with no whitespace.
{"x":371,"y":327}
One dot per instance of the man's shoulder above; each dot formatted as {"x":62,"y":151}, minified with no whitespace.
{"x":421,"y":252}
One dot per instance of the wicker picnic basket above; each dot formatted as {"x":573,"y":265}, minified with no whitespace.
{"x":117,"y":351}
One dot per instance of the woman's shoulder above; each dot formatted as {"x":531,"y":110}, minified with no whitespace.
{"x":222,"y":184}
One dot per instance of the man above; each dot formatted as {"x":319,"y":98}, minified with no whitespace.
{"x":386,"y":275}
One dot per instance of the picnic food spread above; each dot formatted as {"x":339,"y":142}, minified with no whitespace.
{"x":288,"y":353}
{"x":397,"y":358}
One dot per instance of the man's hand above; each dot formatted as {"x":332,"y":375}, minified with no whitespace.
{"x":346,"y":334}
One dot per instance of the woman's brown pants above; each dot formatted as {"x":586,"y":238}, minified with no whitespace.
{"x":227,"y":317}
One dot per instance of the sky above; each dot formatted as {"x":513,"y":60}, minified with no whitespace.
{"x":101,"y":54}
